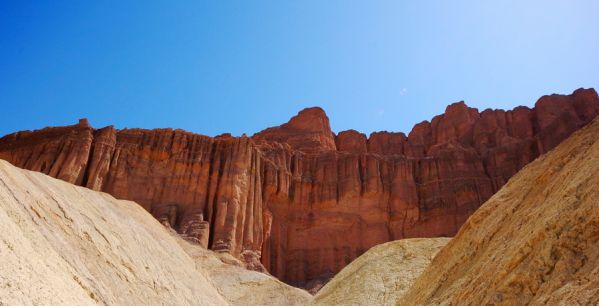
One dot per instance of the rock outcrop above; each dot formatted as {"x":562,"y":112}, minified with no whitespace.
{"x":535,"y":242}
{"x":297,"y":199}
{"x":381,"y":275}
{"x":309,"y":131}
{"x":66,"y":245}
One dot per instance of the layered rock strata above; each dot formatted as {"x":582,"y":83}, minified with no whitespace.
{"x":535,"y":242}
{"x":298,"y":199}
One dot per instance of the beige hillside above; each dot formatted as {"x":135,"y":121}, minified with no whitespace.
{"x":382,"y":274}
{"x":240,"y":286}
{"x":535,"y":242}
{"x":66,"y":245}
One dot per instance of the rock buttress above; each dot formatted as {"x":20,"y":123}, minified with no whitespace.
{"x":297,"y":198}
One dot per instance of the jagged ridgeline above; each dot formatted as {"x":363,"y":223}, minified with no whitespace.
{"x":535,"y":242}
{"x":298,"y":200}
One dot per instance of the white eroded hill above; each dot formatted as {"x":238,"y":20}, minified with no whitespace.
{"x":66,"y":245}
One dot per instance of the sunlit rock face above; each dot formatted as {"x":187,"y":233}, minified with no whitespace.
{"x":535,"y":242}
{"x":67,"y":245}
{"x":297,"y":199}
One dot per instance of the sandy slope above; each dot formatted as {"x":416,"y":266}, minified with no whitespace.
{"x":240,"y":286}
{"x":380,"y":275}
{"x":67,"y":245}
{"x":534,"y":242}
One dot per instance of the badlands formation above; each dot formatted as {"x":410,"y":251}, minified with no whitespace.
{"x":301,"y":202}
{"x":535,"y":242}
{"x":297,"y":200}
{"x":61,"y":244}
{"x":381,"y":275}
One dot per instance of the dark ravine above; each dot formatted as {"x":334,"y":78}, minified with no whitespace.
{"x":298,"y":199}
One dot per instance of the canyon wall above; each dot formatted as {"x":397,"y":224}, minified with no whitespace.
{"x":63,"y":244}
{"x":298,"y":199}
{"x":535,"y":242}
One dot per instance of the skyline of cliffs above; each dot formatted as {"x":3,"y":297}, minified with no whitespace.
{"x":298,"y":200}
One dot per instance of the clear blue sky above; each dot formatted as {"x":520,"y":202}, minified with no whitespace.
{"x":216,"y":66}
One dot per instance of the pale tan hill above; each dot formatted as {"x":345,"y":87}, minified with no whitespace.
{"x":240,"y":286}
{"x":66,"y":245}
{"x":535,"y":242}
{"x":382,"y":274}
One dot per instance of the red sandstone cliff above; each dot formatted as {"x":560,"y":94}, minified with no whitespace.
{"x":297,"y":198}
